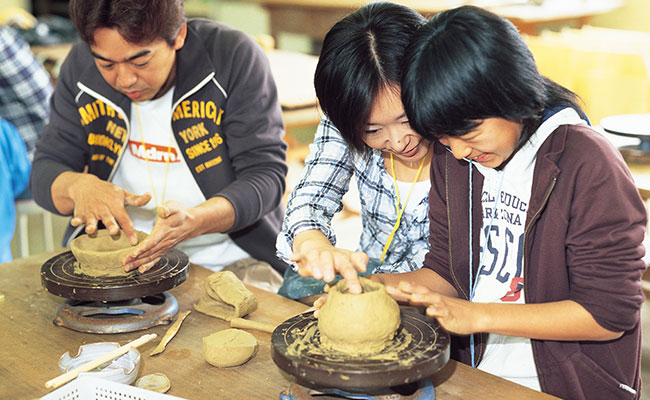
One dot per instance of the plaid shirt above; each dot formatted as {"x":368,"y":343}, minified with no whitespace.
{"x":317,"y":197}
{"x":25,"y":88}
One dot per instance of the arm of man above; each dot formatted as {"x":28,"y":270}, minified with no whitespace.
{"x":176,"y":223}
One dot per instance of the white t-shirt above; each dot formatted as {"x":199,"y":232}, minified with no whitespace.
{"x":420,"y":191}
{"x":501,"y":279}
{"x":144,"y":168}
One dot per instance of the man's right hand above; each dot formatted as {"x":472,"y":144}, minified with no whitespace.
{"x":91,"y":200}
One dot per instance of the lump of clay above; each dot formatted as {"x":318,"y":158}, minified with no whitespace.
{"x":229,"y":348}
{"x":100,"y":254}
{"x":225,"y":297}
{"x":358,"y":324}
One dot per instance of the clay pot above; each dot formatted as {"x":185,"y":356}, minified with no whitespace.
{"x":358,"y":324}
{"x":100,"y":254}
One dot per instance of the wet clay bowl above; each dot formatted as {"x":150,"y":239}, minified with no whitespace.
{"x":100,"y":254}
{"x":358,"y":324}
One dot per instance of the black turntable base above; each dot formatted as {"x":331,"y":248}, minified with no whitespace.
{"x":420,"y":348}
{"x":114,"y":304}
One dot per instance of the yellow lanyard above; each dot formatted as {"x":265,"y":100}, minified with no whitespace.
{"x":397,"y":209}
{"x":146,"y":159}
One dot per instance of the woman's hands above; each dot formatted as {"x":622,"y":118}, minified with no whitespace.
{"x":317,"y":258}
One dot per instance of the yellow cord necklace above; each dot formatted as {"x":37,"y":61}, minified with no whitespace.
{"x":397,"y":208}
{"x":146,"y":159}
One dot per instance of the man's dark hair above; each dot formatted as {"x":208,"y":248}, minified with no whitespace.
{"x":362,"y":55}
{"x":138,"y":21}
{"x":468,"y":64}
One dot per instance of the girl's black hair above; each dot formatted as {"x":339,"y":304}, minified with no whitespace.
{"x":467,"y":64}
{"x":362,"y":55}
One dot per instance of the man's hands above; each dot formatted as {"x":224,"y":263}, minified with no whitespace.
{"x":92,"y":200}
{"x":175,"y":223}
{"x":316,"y":257}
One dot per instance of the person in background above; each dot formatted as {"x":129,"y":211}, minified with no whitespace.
{"x":14,"y":177}
{"x":25,"y":88}
{"x":150,"y":105}
{"x":536,"y":261}
{"x":365,"y":134}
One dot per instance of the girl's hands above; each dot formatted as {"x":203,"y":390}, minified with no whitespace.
{"x":455,"y":315}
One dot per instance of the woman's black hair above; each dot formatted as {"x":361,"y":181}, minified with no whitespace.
{"x":361,"y":55}
{"x":467,"y":64}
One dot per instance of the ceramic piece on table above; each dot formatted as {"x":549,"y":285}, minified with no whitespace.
{"x":123,"y":369}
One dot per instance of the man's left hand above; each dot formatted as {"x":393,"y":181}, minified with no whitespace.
{"x":175,"y":223}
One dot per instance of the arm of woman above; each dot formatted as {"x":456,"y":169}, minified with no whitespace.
{"x":316,"y":257}
{"x":314,"y":201}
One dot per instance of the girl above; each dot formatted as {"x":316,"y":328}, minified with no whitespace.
{"x":539,"y":260}
{"x":366,"y":134}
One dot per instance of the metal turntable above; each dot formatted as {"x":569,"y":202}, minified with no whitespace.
{"x":420,"y":348}
{"x":114,"y":304}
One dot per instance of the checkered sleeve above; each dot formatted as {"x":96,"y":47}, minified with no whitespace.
{"x":317,"y":196}
{"x":25,"y":88}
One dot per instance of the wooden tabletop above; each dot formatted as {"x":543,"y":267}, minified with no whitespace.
{"x":31,"y":346}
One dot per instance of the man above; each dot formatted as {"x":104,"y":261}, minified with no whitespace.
{"x":184,"y":110}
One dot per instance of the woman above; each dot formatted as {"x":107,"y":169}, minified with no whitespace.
{"x":367,"y":135}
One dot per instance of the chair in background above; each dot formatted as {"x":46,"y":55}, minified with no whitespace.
{"x":26,"y":208}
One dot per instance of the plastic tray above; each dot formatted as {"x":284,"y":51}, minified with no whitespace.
{"x":88,"y":388}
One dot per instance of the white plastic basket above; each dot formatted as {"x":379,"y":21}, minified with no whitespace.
{"x":87,"y":388}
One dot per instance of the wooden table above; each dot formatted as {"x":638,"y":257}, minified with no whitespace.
{"x":31,"y":346}
{"x":316,"y":17}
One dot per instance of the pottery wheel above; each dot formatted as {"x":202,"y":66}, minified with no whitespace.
{"x":420,"y":348}
{"x":58,"y":277}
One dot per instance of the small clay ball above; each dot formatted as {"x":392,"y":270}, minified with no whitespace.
{"x":229,"y":348}
{"x":358,"y":324}
{"x":156,"y":382}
